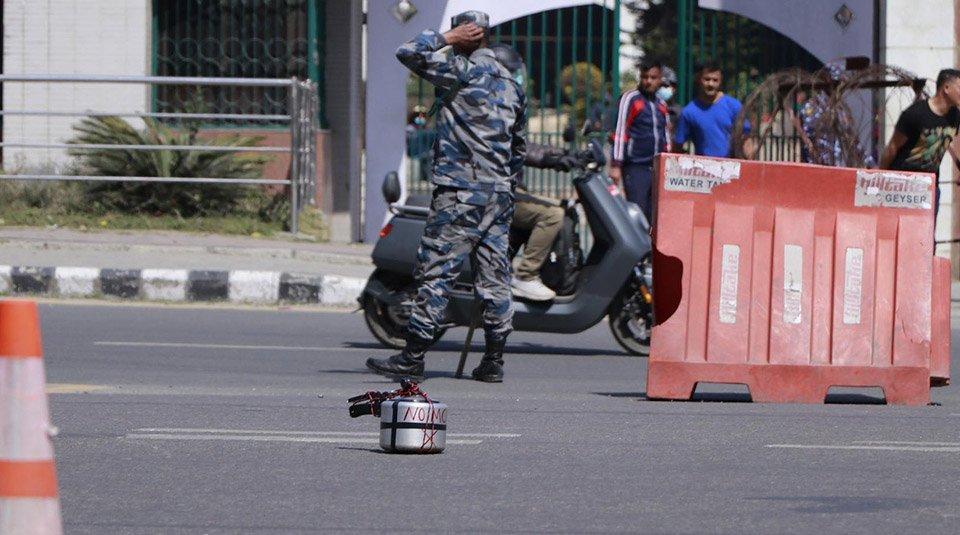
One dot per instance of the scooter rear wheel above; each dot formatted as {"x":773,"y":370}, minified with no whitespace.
{"x":388,"y":324}
{"x":631,"y":321}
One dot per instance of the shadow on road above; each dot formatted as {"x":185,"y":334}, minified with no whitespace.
{"x":375,"y":378}
{"x":513,"y":349}
{"x":719,"y":397}
{"x":744,"y":397}
{"x":368,"y":450}
{"x":849,"y":504}
{"x":620,"y":394}
{"x":853,"y":399}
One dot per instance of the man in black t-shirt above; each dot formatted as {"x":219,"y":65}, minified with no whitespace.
{"x":925,"y":130}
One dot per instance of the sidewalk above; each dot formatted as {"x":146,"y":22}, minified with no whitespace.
{"x":180,"y":266}
{"x":177,"y":266}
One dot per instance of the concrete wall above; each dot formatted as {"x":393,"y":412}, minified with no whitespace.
{"x":343,"y":77}
{"x":69,"y":37}
{"x":923,"y":42}
{"x":810,"y":24}
{"x":955,"y":188}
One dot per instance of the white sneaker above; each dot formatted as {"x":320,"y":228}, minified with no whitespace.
{"x":533,"y":289}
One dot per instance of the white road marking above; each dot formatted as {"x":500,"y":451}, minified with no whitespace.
{"x":69,"y":388}
{"x":935,"y":449}
{"x":907,"y":443}
{"x":189,"y":430}
{"x":280,"y":438}
{"x":265,"y":435}
{"x":227,"y":346}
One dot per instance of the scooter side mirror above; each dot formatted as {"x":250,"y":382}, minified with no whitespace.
{"x":391,"y":187}
{"x":596,"y":152}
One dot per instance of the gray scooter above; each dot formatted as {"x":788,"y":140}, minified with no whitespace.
{"x":614,"y":281}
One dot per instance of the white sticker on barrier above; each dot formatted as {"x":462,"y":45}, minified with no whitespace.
{"x":852,"y":286}
{"x":729,"y":279}
{"x":893,"y":190}
{"x":792,"y":283}
{"x":698,"y":175}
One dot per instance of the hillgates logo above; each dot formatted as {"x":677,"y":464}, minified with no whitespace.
{"x":894,"y":190}
{"x":698,"y":175}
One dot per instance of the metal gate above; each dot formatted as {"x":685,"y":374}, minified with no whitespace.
{"x":746,"y":51}
{"x":249,"y":39}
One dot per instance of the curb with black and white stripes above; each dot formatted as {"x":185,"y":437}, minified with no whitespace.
{"x":253,"y":287}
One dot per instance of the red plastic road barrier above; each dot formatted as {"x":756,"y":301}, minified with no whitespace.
{"x":940,"y":361}
{"x":791,"y":278}
{"x":29,"y":501}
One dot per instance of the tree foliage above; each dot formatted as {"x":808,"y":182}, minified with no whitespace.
{"x":579,"y":81}
{"x":656,"y":30}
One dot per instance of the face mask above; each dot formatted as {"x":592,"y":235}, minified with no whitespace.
{"x":665,"y":93}
{"x":420,"y":121}
{"x":520,"y":75}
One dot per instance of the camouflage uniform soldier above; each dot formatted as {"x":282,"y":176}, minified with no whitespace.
{"x":478,"y":153}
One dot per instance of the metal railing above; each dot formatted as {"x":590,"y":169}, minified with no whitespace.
{"x":302,"y":104}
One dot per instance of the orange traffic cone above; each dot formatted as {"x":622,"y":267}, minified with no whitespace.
{"x":29,"y":501}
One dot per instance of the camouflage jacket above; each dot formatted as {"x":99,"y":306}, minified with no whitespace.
{"x":481,"y":123}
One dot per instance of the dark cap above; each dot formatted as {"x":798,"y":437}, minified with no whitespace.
{"x":668,"y":76}
{"x":479,"y":18}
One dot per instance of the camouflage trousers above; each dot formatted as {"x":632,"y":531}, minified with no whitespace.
{"x":463,"y":223}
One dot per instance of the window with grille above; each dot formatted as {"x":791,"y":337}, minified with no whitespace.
{"x":235,"y":39}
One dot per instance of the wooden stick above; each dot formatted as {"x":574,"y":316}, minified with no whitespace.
{"x":475,"y":318}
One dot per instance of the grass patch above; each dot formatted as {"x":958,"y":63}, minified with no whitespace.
{"x":210,"y":207}
{"x":63,"y":205}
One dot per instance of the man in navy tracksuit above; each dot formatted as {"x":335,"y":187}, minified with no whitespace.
{"x":641,"y":133}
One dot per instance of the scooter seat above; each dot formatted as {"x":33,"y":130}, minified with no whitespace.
{"x":418,"y":199}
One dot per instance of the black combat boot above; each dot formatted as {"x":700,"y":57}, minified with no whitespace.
{"x":408,"y":364}
{"x":490,"y":369}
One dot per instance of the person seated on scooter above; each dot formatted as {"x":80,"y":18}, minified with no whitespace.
{"x":481,"y":115}
{"x":543,"y":218}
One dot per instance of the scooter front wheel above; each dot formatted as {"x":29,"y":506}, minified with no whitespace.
{"x":631,"y":321}
{"x":388,"y":323}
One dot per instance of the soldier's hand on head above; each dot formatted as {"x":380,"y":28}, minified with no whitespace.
{"x":465,"y":34}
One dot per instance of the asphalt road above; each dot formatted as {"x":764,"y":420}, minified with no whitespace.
{"x":213,"y":420}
